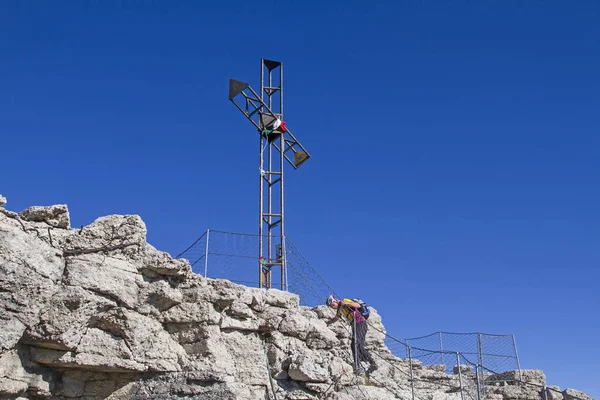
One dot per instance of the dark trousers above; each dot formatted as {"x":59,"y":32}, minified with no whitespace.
{"x":360,"y":352}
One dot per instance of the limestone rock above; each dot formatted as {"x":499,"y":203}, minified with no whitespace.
{"x":517,"y":392}
{"x":92,"y":362}
{"x":2,"y":201}
{"x":281,"y":299}
{"x":320,"y":336}
{"x":158,"y":296}
{"x":239,"y":310}
{"x":157,"y":263}
{"x":148,"y":342}
{"x":30,"y":270}
{"x":122,"y":235}
{"x":572,"y":394}
{"x":376,"y":332}
{"x":240,"y":324}
{"x":56,"y":216}
{"x":107,"y":276}
{"x":292,"y":390}
{"x":98,"y":313}
{"x":435,"y":367}
{"x":433,"y":374}
{"x":294,"y":324}
{"x":13,"y":377}
{"x":535,"y":377}
{"x":202,"y":312}
{"x":464,"y":369}
{"x":554,"y":393}
{"x":270,"y":318}
{"x":66,"y":317}
{"x":308,"y":368}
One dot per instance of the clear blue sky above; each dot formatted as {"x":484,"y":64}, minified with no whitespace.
{"x":455,"y":146}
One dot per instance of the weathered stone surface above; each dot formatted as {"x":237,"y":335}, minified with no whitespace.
{"x":240,"y":324}
{"x":464,"y":369}
{"x":515,"y":392}
{"x":434,"y":374}
{"x":239,"y":310}
{"x":535,"y":377}
{"x":308,"y":367}
{"x":294,"y":324}
{"x":30,"y":270}
{"x":158,"y":296}
{"x":292,"y":390}
{"x":98,"y":313}
{"x":202,"y":312}
{"x":572,"y":394}
{"x":2,"y":201}
{"x":270,"y":318}
{"x":91,"y":362}
{"x":13,"y":377}
{"x":11,"y":333}
{"x":66,"y":317}
{"x":106,"y":276}
{"x":149,"y":343}
{"x":277,"y":298}
{"x":435,"y":367}
{"x":554,"y":393}
{"x":56,"y":216}
{"x":320,"y":336}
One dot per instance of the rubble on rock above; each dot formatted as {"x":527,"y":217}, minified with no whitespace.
{"x":97,"y":313}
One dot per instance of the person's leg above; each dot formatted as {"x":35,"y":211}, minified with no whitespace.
{"x":363,"y":352}
{"x":354,"y":345}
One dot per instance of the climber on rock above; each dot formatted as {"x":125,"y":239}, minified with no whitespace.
{"x":356,"y":313}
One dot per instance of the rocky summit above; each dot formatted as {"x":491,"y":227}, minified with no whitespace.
{"x":98,"y":313}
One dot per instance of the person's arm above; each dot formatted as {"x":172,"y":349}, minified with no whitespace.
{"x":353,"y":304}
{"x":337,"y":315}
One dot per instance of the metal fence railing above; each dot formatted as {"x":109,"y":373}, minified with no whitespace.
{"x":475,"y":360}
{"x":234,"y":256}
{"x":497,"y":352}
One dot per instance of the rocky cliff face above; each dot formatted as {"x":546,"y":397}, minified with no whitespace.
{"x":98,"y":313}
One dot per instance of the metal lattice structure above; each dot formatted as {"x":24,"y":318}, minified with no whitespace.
{"x":277,"y":145}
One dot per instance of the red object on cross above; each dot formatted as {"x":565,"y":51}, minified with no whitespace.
{"x":282,"y":127}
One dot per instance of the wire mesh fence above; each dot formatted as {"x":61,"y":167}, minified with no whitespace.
{"x":471,"y":357}
{"x":496,"y":352}
{"x":235,"y":257}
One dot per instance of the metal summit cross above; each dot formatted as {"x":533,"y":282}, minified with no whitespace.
{"x":277,"y":144}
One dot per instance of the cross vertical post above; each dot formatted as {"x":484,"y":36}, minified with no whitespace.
{"x":277,"y":145}
{"x":271,"y":225}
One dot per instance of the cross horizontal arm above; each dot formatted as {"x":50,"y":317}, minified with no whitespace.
{"x":257,"y":111}
{"x":253,"y":106}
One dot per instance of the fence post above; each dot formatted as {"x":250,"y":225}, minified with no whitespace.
{"x":478,"y":382}
{"x":441,"y":347}
{"x":412,"y":381}
{"x":206,"y":253}
{"x":284,"y":255}
{"x":479,"y":349}
{"x":517,"y":356}
{"x":460,"y":376}
{"x":480,"y":379}
{"x":356,"y":356}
